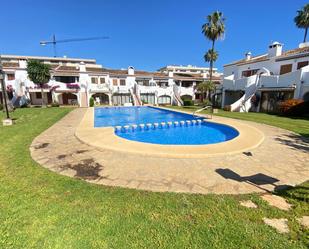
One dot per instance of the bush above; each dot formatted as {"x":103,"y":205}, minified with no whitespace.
{"x":55,"y":104}
{"x":188,"y":102}
{"x":91,"y":102}
{"x":227,"y":108}
{"x":293,"y":107}
{"x":1,"y":107}
{"x":206,"y":102}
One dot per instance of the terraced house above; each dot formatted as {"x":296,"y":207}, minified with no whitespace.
{"x":75,"y":81}
{"x":260,"y":83}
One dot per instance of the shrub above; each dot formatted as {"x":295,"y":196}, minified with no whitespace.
{"x":55,"y":104}
{"x":292,"y":107}
{"x":206,"y":102}
{"x":188,"y":102}
{"x":91,"y":102}
{"x":1,"y":107}
{"x":227,"y":108}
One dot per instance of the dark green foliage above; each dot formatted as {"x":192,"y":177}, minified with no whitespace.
{"x":55,"y":104}
{"x":188,"y":102}
{"x":38,"y":72}
{"x":302,"y":20}
{"x":91,"y":102}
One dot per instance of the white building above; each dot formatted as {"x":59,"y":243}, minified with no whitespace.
{"x":260,"y":83}
{"x":75,"y":81}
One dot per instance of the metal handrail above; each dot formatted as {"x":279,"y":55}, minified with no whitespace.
{"x":204,"y":108}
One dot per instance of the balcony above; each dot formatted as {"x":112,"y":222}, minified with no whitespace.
{"x":285,"y":80}
{"x":99,"y":88}
{"x":186,"y":91}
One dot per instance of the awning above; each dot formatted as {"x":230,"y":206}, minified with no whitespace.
{"x":67,"y":91}
{"x":66,"y":74}
{"x":276,"y":89}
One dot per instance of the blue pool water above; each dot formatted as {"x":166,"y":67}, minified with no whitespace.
{"x":192,"y":134}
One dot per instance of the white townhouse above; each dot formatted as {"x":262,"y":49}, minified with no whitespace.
{"x":260,"y":83}
{"x":75,"y":81}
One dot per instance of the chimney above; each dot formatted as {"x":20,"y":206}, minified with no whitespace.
{"x":130,"y":70}
{"x":82,"y":67}
{"x":303,"y":45}
{"x":275,"y":49}
{"x":248,"y":56}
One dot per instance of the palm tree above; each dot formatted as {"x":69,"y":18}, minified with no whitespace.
{"x":205,"y":87}
{"x":38,"y":73}
{"x":302,"y":19}
{"x":213,"y":30}
{"x":211,"y":55}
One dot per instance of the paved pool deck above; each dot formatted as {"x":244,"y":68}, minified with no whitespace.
{"x":280,"y":159}
{"x":105,"y":138}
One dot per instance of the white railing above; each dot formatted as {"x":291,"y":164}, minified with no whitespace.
{"x":186,"y":91}
{"x":228,"y":84}
{"x":287,"y":80}
{"x":244,"y":103}
{"x":99,"y":87}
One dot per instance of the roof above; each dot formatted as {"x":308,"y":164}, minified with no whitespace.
{"x":286,"y":55}
{"x":244,"y":61}
{"x":64,"y":59}
{"x":294,"y":53}
{"x":188,"y":67}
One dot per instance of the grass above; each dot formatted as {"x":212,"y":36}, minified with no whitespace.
{"x":41,"y":209}
{"x":299,"y":125}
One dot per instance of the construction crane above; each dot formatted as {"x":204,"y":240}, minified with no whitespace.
{"x":54,"y":42}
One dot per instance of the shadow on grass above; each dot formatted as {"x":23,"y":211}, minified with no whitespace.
{"x":297,"y":193}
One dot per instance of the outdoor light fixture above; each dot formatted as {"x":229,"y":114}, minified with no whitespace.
{"x":6,"y":121}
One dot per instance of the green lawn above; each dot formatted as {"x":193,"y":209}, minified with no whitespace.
{"x":298,"y":125}
{"x":41,"y":209}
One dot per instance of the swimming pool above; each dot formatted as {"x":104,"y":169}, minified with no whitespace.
{"x":161,"y":126}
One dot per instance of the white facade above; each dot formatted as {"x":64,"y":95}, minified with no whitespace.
{"x":274,"y":72}
{"x":75,"y":81}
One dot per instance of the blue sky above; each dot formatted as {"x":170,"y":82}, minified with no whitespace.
{"x":146,"y":34}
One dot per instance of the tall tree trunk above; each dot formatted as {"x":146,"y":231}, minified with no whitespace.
{"x":42,"y":96}
{"x":305,"y":37}
{"x":211,"y":64}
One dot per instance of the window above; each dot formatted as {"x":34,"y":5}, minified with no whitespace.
{"x":115,"y":82}
{"x":285,"y":69}
{"x":143,"y":82}
{"x":38,"y":95}
{"x":94,"y":80}
{"x":164,"y":100}
{"x":122,"y":82}
{"x":66,"y":79}
{"x":11,"y":76}
{"x":248,"y":73}
{"x":102,"y":80}
{"x":302,"y":64}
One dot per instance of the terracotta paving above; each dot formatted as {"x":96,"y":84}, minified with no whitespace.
{"x":282,"y":159}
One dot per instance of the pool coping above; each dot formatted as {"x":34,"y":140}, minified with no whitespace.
{"x":104,"y":138}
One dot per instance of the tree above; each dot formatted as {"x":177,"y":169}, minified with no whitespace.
{"x":302,"y":19}
{"x":213,"y":30}
{"x":39,"y":74}
{"x":205,"y":87}
{"x":211,"y":55}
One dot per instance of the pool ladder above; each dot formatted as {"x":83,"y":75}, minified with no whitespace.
{"x":204,"y":108}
